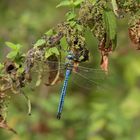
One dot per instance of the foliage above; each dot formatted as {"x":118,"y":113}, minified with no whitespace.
{"x":101,"y":119}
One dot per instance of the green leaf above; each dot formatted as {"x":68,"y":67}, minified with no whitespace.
{"x":79,"y":27}
{"x":52,"y":51}
{"x":19,"y":46}
{"x":12,"y":55}
{"x":110,"y":23}
{"x":15,"y":50}
{"x":39,"y":43}
{"x":78,"y":2}
{"x":64,"y":43}
{"x":49,"y":33}
{"x":115,"y":7}
{"x":1,"y":66}
{"x":111,"y":27}
{"x":47,"y":54}
{"x":114,"y":42}
{"x":13,"y":46}
{"x":72,"y":23}
{"x":20,"y":70}
{"x":64,"y":3}
{"x":70,"y":16}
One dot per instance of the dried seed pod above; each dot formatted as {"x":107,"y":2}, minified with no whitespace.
{"x":128,"y":6}
{"x":9,"y":66}
{"x":91,"y":15}
{"x":134,"y":31}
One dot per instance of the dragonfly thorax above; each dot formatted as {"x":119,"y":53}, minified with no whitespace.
{"x":71,"y":64}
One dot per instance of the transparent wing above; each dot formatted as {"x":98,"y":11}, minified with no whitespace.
{"x":84,"y":78}
{"x":88,"y":80}
{"x":62,"y":66}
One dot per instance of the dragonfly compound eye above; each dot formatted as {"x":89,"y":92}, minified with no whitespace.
{"x":70,"y":56}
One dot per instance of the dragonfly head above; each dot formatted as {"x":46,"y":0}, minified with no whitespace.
{"x":75,"y":57}
{"x":70,"y":56}
{"x":80,"y":55}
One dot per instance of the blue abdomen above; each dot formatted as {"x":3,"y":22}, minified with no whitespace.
{"x":63,"y":93}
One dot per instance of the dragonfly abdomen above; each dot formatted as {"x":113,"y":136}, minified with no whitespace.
{"x":63,"y":93}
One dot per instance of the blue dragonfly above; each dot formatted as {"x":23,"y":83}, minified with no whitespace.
{"x":71,"y":67}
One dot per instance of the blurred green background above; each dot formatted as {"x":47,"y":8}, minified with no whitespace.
{"x":112,"y":113}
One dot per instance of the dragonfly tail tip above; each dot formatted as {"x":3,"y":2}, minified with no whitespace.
{"x":58,"y":116}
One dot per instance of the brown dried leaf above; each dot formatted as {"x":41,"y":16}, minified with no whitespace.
{"x":105,"y":53}
{"x":104,"y":63}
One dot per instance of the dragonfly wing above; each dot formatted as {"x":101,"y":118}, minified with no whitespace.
{"x":55,"y":74}
{"x":51,"y":71}
{"x":89,"y":79}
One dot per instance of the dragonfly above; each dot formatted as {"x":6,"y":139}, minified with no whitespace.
{"x":71,"y":66}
